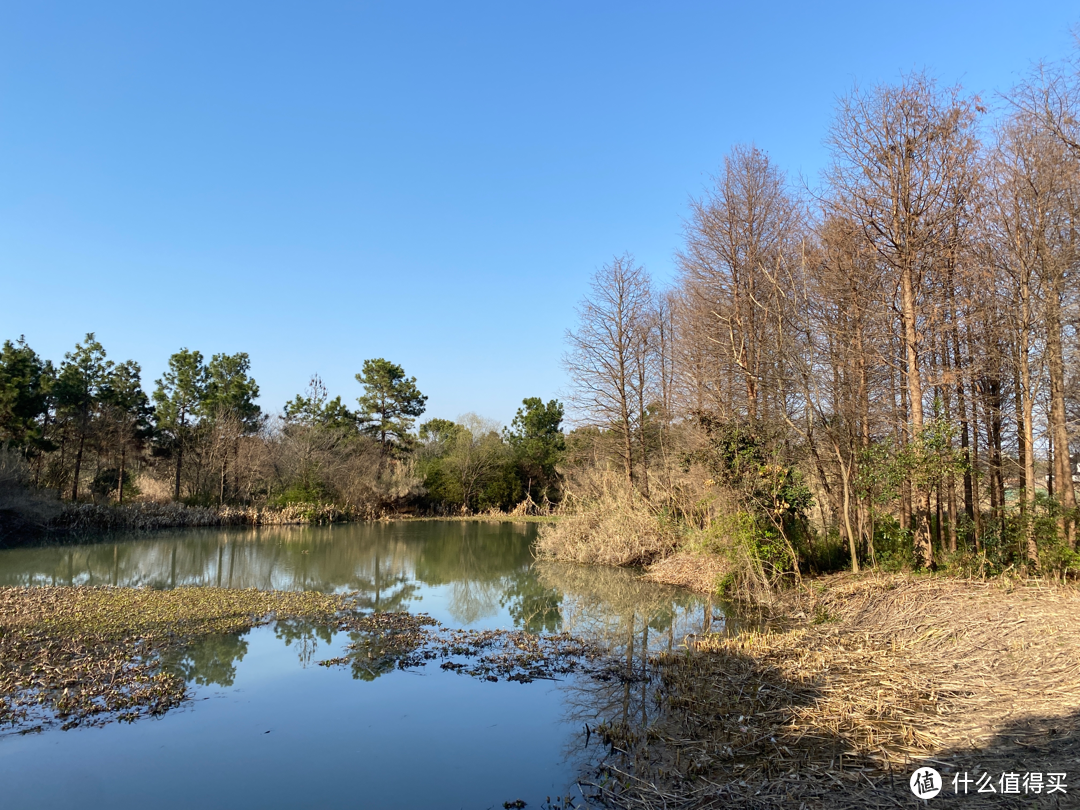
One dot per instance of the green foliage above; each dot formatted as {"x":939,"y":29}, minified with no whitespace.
{"x":438,"y":435}
{"x":538,"y":446}
{"x":126,"y":406}
{"x":318,"y":410}
{"x":389,"y":404}
{"x":179,"y":395}
{"x":106,"y":482}
{"x":822,"y":554}
{"x":931,"y":458}
{"x":893,"y":545}
{"x":927,"y":461}
{"x":83,"y":375}
{"x":25,"y":381}
{"x":1002,"y":545}
{"x":468,"y":466}
{"x":230,"y":390}
{"x":304,"y":491}
{"x":742,"y":458}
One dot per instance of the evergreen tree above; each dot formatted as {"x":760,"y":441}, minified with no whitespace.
{"x":128,"y":408}
{"x":231,"y":390}
{"x":79,"y":384}
{"x":390,"y":402}
{"x":538,"y":444}
{"x":317,"y":409}
{"x":178,"y":400}
{"x":24,"y":384}
{"x":230,"y":410}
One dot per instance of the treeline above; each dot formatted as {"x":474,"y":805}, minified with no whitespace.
{"x":87,"y":430}
{"x":897,"y":347}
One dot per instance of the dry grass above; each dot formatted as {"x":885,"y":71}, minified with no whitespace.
{"x":610,"y":524}
{"x":148,"y":516}
{"x":878,"y":674}
{"x":700,"y":572}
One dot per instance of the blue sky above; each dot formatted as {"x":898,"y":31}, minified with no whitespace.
{"x":434,"y":183}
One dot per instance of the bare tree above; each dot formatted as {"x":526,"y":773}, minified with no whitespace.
{"x":904,"y":169}
{"x":1043,"y":140}
{"x":736,"y":241}
{"x":606,"y":358}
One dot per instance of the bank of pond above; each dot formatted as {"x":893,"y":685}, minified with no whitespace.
{"x":299,"y":665}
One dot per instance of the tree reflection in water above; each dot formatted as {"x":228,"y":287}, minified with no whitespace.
{"x":306,"y":636}
{"x":634,"y":619}
{"x":482,"y":568}
{"x":210,"y":660}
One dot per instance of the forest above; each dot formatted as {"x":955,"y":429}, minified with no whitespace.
{"x":86,"y":430}
{"x":879,"y":370}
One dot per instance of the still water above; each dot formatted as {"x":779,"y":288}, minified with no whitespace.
{"x":269,"y":728}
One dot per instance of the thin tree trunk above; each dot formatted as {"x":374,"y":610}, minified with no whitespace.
{"x":1062,"y":470}
{"x":78,"y":468}
{"x":120,"y":478}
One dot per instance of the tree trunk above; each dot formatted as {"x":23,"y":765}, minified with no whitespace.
{"x":120,"y":478}
{"x":1058,"y":422}
{"x":78,"y":469}
{"x":179,"y":463}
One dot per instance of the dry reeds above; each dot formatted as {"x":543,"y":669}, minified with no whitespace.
{"x":610,"y":525}
{"x":149,"y":516}
{"x":702,"y":573}
{"x":878,"y":674}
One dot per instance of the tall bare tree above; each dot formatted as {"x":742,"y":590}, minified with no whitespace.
{"x":904,"y":169}
{"x":606,"y":358}
{"x":736,"y":241}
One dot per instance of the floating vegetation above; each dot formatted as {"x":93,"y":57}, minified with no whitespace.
{"x":91,"y":655}
{"x":384,"y":641}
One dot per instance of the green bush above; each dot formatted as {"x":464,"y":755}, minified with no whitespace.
{"x":893,"y":546}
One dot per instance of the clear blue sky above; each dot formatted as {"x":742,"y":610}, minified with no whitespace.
{"x":434,"y":183}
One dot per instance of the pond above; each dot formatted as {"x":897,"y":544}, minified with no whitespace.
{"x":267,"y":727}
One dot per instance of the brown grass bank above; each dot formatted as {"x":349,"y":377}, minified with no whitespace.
{"x":870,"y":677}
{"x":37,"y":516}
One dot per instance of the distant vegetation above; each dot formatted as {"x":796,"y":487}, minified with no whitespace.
{"x":85,"y":431}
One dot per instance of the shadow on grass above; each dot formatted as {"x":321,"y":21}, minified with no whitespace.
{"x":729,"y":729}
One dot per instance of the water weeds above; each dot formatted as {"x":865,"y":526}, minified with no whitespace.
{"x":89,"y":655}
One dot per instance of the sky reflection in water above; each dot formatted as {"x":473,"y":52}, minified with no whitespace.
{"x":270,"y":728}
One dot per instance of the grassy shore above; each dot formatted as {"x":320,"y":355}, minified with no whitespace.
{"x":866,"y":678}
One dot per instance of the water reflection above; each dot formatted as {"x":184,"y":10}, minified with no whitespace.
{"x":475,"y":575}
{"x":385,"y":562}
{"x":466,"y":574}
{"x":211,"y":660}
